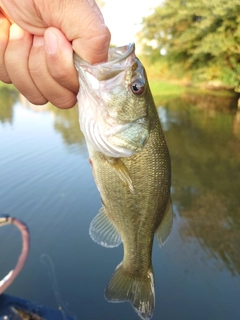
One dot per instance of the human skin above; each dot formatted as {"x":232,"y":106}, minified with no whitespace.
{"x":37,"y":39}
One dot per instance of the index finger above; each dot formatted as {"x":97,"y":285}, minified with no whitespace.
{"x":89,"y":35}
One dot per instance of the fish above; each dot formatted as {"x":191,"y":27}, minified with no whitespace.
{"x":132,"y":169}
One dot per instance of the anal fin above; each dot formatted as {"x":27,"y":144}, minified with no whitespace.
{"x":103,"y":231}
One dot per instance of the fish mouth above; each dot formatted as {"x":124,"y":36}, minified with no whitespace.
{"x":114,"y":55}
{"x":120,"y":53}
{"x":119,"y":59}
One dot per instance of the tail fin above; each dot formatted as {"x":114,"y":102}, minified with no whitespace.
{"x":139,"y":292}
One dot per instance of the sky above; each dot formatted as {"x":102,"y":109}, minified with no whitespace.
{"x":123,"y":18}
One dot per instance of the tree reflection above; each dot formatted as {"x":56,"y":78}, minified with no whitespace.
{"x":236,"y":124}
{"x":210,"y":222}
{"x":66,"y":123}
{"x":8,"y":98}
{"x":206,"y":173}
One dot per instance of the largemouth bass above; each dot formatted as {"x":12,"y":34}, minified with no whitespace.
{"x":131,"y":168}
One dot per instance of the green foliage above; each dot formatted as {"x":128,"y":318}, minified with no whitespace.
{"x":8,"y":97}
{"x":200,"y":35}
{"x":160,"y":88}
{"x":7,"y":86}
{"x":101,"y":3}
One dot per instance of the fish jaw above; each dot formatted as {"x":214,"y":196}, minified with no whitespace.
{"x":112,"y":119}
{"x":119,"y":59}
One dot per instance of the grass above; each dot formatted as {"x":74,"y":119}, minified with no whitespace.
{"x":167,"y":89}
{"x":162,"y":88}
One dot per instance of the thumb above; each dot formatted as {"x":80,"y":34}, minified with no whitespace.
{"x":83,"y":24}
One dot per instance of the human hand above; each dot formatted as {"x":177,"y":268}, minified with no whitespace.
{"x":36,"y":46}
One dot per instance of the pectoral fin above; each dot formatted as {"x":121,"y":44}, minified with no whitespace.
{"x":165,"y":226}
{"x":103,"y":231}
{"x":122,"y":172}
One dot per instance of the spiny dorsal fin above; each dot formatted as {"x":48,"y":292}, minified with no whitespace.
{"x":122,"y":172}
{"x":103,"y":231}
{"x":139,"y":292}
{"x":165,"y":226}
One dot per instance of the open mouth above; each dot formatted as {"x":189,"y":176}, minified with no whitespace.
{"x":120,"y":53}
{"x":114,"y":55}
{"x":118,"y":61}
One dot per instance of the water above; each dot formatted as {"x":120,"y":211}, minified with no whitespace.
{"x":46,"y":180}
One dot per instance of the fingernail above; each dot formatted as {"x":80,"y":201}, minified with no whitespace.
{"x":16,"y":32}
{"x":51,"y":43}
{"x":38,"y":41}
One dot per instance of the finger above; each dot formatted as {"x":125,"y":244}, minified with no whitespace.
{"x":27,"y":14}
{"x":16,"y":59}
{"x":4,"y":32}
{"x":5,"y":14}
{"x":54,"y":92}
{"x":93,"y":48}
{"x":89,"y":35}
{"x":59,"y":58}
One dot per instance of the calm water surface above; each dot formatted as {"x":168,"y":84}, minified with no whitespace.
{"x":46,"y":180}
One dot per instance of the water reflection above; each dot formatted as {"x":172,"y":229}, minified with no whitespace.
{"x":206,"y":178}
{"x":45,"y":180}
{"x":66,"y":123}
{"x":236,"y":124}
{"x":8,"y":98}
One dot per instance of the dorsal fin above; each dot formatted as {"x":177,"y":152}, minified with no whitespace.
{"x":165,"y":226}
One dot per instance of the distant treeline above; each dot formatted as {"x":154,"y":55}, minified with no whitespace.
{"x":197,"y":38}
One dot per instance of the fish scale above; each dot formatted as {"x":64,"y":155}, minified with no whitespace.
{"x":134,"y":187}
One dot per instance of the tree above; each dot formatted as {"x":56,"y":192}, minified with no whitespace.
{"x":200,"y":35}
{"x":101,"y":3}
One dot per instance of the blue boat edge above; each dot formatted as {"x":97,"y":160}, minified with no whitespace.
{"x":12,"y":307}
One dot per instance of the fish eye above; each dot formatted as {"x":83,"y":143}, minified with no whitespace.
{"x":137,"y":87}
